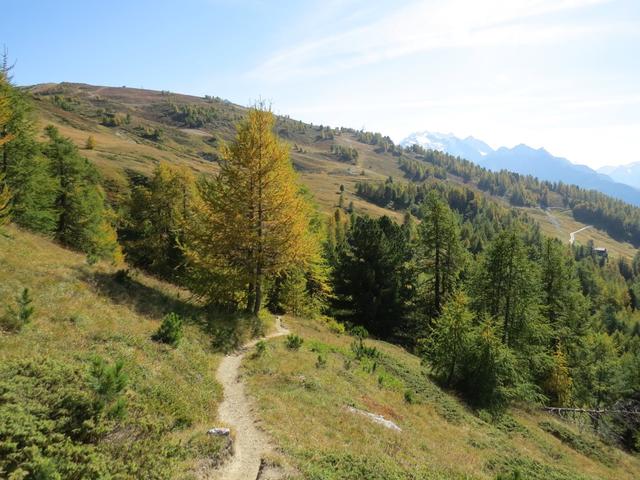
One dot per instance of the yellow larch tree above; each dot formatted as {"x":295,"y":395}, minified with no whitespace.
{"x":252,"y":219}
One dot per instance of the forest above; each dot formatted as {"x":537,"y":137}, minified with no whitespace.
{"x":619,"y":219}
{"x":500,"y":314}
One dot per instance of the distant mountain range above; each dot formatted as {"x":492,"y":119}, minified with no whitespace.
{"x":629,"y":174}
{"x":613,"y":181}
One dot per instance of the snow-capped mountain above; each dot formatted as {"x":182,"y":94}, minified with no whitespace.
{"x":537,"y":162}
{"x":629,"y":174}
{"x":470,"y":148}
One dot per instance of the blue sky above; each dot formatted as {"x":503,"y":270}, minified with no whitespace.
{"x":559,"y":74}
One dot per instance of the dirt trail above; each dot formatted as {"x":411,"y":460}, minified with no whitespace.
{"x":250,"y":444}
{"x":572,"y":235}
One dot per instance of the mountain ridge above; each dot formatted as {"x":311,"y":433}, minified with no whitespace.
{"x":527,"y":160}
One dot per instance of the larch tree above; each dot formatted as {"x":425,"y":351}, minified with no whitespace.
{"x":83,"y":219}
{"x":154,"y":225}
{"x":451,"y":338}
{"x":252,"y":220}
{"x":26,"y":170}
{"x":506,"y":286}
{"x":440,"y":254}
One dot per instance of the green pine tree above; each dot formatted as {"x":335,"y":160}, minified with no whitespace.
{"x":26,"y":171}
{"x":83,"y":221}
{"x":506,"y":286}
{"x":440,"y":255}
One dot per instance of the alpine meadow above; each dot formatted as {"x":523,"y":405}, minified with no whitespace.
{"x":200,"y":288}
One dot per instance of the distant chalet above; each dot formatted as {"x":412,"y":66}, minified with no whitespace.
{"x":601,"y":252}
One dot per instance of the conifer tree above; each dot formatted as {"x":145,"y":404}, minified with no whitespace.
{"x":252,"y":220}
{"x":26,"y":171}
{"x":506,"y":286}
{"x":563,"y":305}
{"x":5,"y":137}
{"x":156,"y":218}
{"x":83,"y":219}
{"x":451,"y":338}
{"x":439,"y":251}
{"x":5,"y":199}
{"x":372,"y":278}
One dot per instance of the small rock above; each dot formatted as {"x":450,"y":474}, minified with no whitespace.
{"x":219,"y":432}
{"x":379,"y":419}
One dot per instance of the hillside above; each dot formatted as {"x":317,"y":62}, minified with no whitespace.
{"x":125,"y":149}
{"x":133,"y":129}
{"x":301,"y":396}
{"x":304,"y":399}
{"x":82,"y":312}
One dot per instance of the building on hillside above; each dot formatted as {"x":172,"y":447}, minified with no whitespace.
{"x":601,"y":252}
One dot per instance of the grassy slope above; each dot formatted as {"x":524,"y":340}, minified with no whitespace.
{"x":121,"y":150}
{"x":83,"y":310}
{"x":560,"y":223}
{"x":303,"y":408}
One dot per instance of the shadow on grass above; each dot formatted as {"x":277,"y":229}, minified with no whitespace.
{"x":226,"y":329}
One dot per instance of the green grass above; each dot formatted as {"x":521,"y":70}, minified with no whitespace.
{"x":84,"y":311}
{"x":303,"y":407}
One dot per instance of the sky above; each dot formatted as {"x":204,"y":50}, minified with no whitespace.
{"x":558,"y":74}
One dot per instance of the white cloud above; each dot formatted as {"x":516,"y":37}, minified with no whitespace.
{"x":427,"y":25}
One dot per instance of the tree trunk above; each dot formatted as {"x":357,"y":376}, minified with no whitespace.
{"x":258,"y":293}
{"x":251,"y":297}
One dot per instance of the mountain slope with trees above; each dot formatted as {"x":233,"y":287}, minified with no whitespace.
{"x":460,"y":278}
{"x":539,"y":163}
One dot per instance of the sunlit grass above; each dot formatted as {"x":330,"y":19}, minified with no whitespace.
{"x":303,"y":408}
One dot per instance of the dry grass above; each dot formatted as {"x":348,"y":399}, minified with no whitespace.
{"x":82,"y":311}
{"x":563,"y":223}
{"x":303,"y":408}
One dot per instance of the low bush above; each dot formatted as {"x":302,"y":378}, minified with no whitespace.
{"x":335,"y":327}
{"x":261,"y":348}
{"x":17,"y":317}
{"x":580,"y":443}
{"x":293,"y":341}
{"x":409,"y":397}
{"x":321,"y":362}
{"x":54,"y":418}
{"x":170,"y":331}
{"x":360,"y":350}
{"x":225,"y":339}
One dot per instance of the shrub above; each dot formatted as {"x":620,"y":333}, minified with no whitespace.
{"x":53,"y":426}
{"x":408,"y":397}
{"x":261,"y":348}
{"x":359,"y":332}
{"x":170,"y":331}
{"x":580,"y":443}
{"x":16,"y":318}
{"x":293,"y":341}
{"x":91,"y":143}
{"x":109,"y":382}
{"x":321,"y":362}
{"x":360,"y":350}
{"x":225,"y":339}
{"x":335,"y":327}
